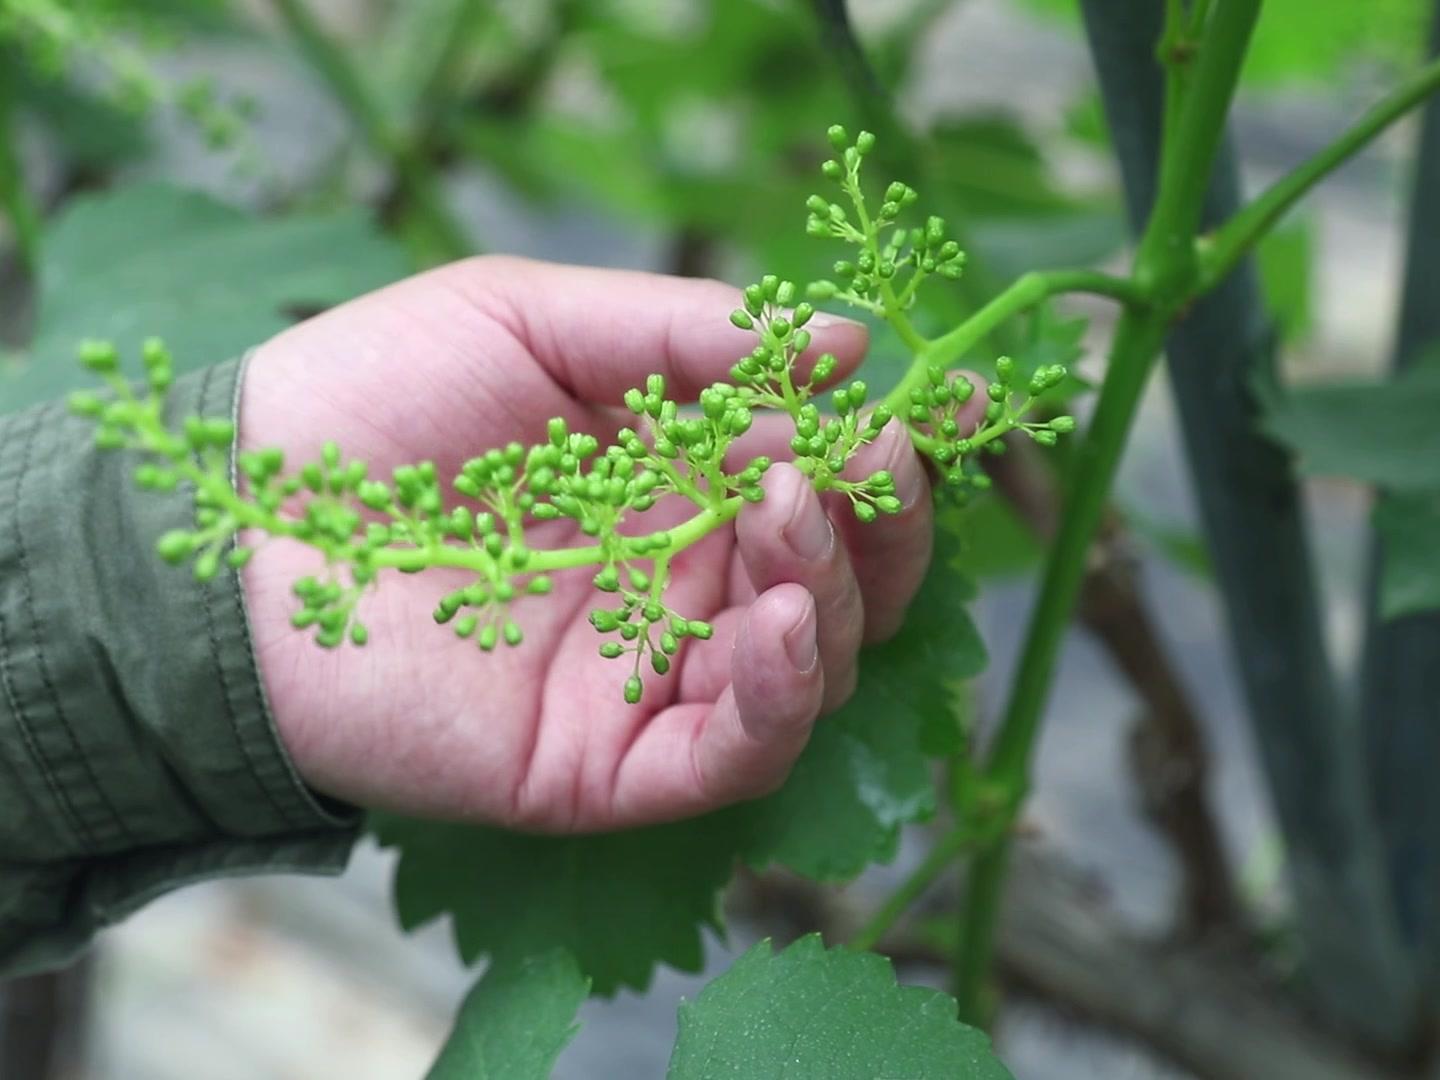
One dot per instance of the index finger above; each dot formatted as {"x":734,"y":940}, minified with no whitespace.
{"x":600,"y":332}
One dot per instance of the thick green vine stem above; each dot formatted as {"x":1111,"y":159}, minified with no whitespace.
{"x":412,"y":521}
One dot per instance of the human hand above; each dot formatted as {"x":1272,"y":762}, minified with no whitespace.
{"x":450,"y":363}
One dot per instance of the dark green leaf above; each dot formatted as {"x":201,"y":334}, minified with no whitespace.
{"x":1381,"y":432}
{"x":866,"y":770}
{"x":515,"y":1021}
{"x":1410,"y":566}
{"x":831,"y":1015}
{"x":210,"y":279}
{"x":994,"y":541}
{"x":620,"y":902}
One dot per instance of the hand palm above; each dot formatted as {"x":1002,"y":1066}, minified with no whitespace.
{"x":482,"y":353}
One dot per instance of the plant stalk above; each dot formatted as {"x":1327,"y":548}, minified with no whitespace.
{"x":1165,"y":272}
{"x":1236,"y":237}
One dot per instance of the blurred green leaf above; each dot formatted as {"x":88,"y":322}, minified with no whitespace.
{"x":1286,"y":257}
{"x":89,"y":131}
{"x":994,"y":541}
{"x":515,"y":1021}
{"x":209,"y":279}
{"x":1409,"y":526}
{"x":1182,"y":546}
{"x":1384,"y":433}
{"x":809,"y":1012}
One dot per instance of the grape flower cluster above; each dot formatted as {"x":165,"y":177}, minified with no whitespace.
{"x":479,"y":519}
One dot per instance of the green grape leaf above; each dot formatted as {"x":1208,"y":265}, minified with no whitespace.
{"x":866,"y":771}
{"x":828,"y":1014}
{"x":1381,"y":432}
{"x":515,"y":1021}
{"x":994,"y":541}
{"x":210,"y":279}
{"x":620,"y":902}
{"x":1409,"y":526}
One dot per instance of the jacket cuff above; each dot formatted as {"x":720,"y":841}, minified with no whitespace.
{"x":137,"y":750}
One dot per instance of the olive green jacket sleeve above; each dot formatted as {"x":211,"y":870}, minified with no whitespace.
{"x":137,"y":752}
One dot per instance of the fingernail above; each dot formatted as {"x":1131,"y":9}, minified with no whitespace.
{"x":809,"y":532}
{"x":825,"y":320}
{"x":801,"y":647}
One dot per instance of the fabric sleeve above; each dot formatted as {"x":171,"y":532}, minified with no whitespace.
{"x":137,"y":750}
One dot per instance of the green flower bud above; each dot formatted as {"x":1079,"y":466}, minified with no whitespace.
{"x":741,"y":319}
{"x":100,"y":357}
{"x":207,"y":566}
{"x":608,"y":580}
{"x":832,"y":170}
{"x":604,"y":621}
{"x":513,"y":634}
{"x":465,"y":626}
{"x":837,"y":137}
{"x":359,"y":635}
{"x":239,"y":557}
{"x":822,"y":290}
{"x":1063,"y":424}
{"x":634,"y":688}
{"x":697,"y":629}
{"x":487,"y":637}
{"x":865,"y":512}
{"x":865,"y":142}
{"x":175,"y":546}
{"x":1004,"y":369}
{"x":660,"y":662}
{"x":888,"y":504}
{"x":612,"y":650}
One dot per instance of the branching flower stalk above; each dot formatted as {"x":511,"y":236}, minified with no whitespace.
{"x":478,"y":521}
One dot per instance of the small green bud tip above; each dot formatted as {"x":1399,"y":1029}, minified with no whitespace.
{"x":837,"y":138}
{"x":175,"y":546}
{"x":697,"y":629}
{"x":634,"y":688}
{"x":660,"y":662}
{"x":865,"y":142}
{"x":612,"y":650}
{"x":100,"y":357}
{"x":513,"y":634}
{"x":822,"y":290}
{"x":359,"y":635}
{"x":864,"y":512}
{"x":741,"y":319}
{"x":86,"y":403}
{"x":1063,"y":424}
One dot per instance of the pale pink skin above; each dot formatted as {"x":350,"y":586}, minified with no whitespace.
{"x":476,"y":354}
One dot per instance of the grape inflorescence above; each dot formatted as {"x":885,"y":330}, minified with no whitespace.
{"x":480,"y":519}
